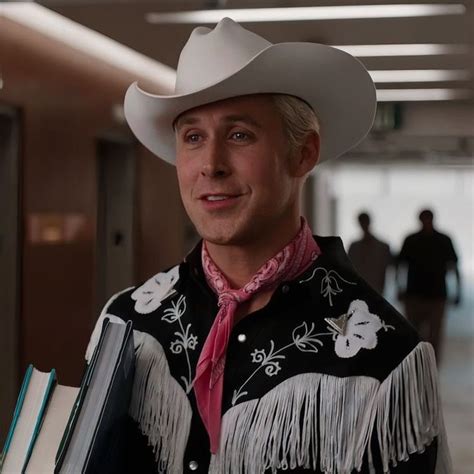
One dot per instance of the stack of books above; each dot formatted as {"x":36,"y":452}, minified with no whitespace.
{"x":59,"y":429}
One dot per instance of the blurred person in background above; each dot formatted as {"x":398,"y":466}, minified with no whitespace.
{"x":264,"y":350}
{"x":370,"y":256}
{"x":427,"y":255}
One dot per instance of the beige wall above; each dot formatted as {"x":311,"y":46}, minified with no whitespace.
{"x":58,"y":307}
{"x":66,"y":99}
{"x":57,"y":290}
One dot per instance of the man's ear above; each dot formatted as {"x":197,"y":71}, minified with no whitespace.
{"x":307,"y":156}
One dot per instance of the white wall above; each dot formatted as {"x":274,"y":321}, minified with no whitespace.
{"x":394,"y":194}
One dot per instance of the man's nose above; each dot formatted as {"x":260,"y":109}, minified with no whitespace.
{"x":215,"y":163}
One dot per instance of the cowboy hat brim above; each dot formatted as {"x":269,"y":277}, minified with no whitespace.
{"x":335,"y":84}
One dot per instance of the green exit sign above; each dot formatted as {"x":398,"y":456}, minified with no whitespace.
{"x":388,"y":117}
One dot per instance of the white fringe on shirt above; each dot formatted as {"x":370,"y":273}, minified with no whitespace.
{"x":309,"y":420}
{"x":159,"y":404}
{"x":317,"y":420}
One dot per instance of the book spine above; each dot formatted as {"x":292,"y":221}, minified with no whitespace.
{"x":101,"y":451}
{"x":39,"y":420}
{"x":71,"y":424}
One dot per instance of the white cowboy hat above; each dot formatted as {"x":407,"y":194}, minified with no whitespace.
{"x":230,"y":61}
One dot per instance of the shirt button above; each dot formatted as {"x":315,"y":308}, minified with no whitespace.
{"x":193,"y":465}
{"x":241,"y":337}
{"x":285,"y":289}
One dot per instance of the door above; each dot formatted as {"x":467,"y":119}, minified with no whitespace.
{"x":116,"y":206}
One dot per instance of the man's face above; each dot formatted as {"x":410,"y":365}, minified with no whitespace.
{"x":234,"y":170}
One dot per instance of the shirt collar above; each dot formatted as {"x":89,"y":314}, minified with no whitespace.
{"x":332,"y":251}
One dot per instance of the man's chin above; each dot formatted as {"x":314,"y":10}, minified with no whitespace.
{"x":224,"y":238}
{"x":220,"y":240}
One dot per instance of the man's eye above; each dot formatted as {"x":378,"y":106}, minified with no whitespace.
{"x":192,"y":138}
{"x":240,"y":136}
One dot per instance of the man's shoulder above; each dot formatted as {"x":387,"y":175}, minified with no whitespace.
{"x":411,"y":244}
{"x":147,"y":296}
{"x":414,"y":236}
{"x":442,"y":237}
{"x":382,"y":243}
{"x":144,"y":304}
{"x":379,"y":332}
{"x":355,"y":244}
{"x":376,"y":337}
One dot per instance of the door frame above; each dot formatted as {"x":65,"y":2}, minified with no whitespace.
{"x":10,"y":260}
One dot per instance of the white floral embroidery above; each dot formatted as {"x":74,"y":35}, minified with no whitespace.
{"x":360,"y":331}
{"x":185,"y":340}
{"x":330,"y":286}
{"x":272,"y":369}
{"x":304,"y":339}
{"x":259,"y":355}
{"x":149,"y":296}
{"x":269,"y":361}
{"x":173,"y":314}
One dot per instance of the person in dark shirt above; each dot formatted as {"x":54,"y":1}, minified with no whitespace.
{"x":370,"y":256}
{"x":428,"y":256}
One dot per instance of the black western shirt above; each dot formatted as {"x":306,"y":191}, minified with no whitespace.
{"x":326,"y":378}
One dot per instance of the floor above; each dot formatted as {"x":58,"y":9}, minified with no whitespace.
{"x":456,"y":375}
{"x":457,"y":382}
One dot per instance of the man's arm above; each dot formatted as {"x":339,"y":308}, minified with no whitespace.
{"x":400,"y":266}
{"x":453,"y":266}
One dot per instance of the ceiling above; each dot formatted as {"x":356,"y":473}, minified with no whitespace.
{"x":125,"y":22}
{"x":41,"y":71}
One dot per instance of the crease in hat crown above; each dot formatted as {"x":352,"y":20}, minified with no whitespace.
{"x":206,"y":59}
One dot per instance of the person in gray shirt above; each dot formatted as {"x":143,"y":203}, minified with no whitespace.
{"x":370,"y":256}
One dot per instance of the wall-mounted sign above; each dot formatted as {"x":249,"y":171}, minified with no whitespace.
{"x":58,"y":228}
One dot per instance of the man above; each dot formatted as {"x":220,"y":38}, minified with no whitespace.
{"x":428,"y":255}
{"x":370,"y":256}
{"x":264,"y":351}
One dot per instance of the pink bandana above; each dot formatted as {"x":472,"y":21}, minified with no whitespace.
{"x":291,"y":261}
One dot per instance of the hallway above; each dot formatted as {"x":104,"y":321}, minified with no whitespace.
{"x":457,"y":382}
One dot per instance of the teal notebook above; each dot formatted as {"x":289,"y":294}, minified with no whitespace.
{"x":16,"y":413}
{"x":28,"y":415}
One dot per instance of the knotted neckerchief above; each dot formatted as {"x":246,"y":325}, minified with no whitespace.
{"x":291,"y":261}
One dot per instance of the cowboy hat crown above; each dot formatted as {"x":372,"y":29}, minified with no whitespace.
{"x":201,"y":61}
{"x":230,"y":61}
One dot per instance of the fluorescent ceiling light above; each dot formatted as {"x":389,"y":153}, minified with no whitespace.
{"x":337,"y":12}
{"x":90,"y":42}
{"x":408,"y":95}
{"x":419,"y":75}
{"x":381,"y":50}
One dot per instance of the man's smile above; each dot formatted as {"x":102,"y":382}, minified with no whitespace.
{"x":219,"y":200}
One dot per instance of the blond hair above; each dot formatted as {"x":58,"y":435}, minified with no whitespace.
{"x":299,"y":119}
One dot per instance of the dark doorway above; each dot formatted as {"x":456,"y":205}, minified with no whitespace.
{"x":116,"y":210}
